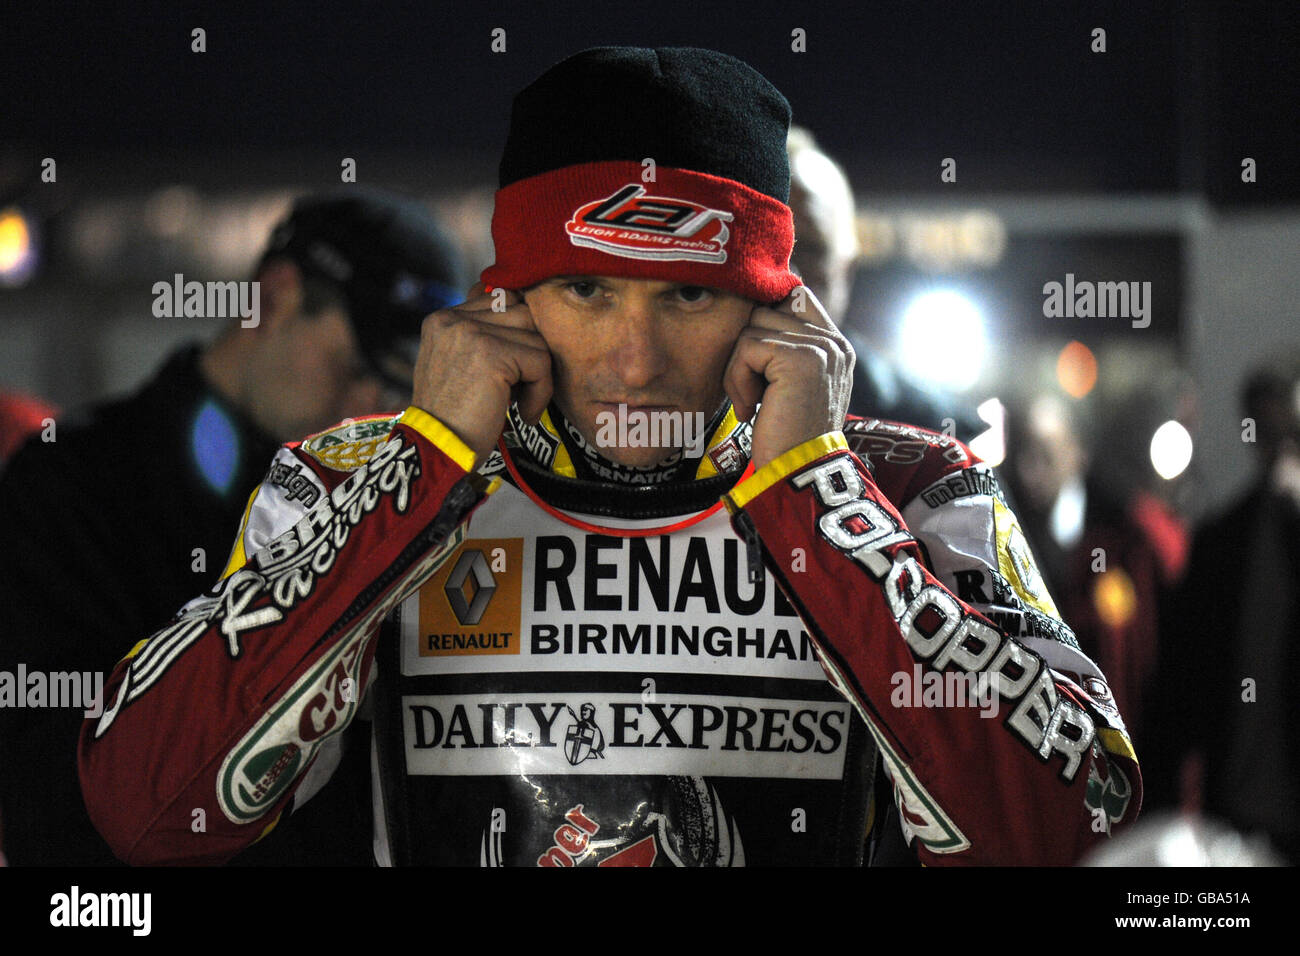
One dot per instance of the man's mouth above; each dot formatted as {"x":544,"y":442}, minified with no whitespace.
{"x":644,"y":407}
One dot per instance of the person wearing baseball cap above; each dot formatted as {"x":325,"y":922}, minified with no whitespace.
{"x":345,"y":280}
{"x":135,"y":500}
{"x":657,"y":595}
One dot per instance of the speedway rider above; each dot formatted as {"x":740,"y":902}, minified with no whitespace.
{"x":591,"y":661}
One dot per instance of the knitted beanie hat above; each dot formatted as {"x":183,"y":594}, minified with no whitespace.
{"x":664,"y":164}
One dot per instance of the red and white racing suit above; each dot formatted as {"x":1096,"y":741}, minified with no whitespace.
{"x":574,"y":673}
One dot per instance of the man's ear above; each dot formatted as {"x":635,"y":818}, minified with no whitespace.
{"x":280,"y":287}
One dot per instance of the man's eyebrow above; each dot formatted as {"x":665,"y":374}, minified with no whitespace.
{"x":549,"y":281}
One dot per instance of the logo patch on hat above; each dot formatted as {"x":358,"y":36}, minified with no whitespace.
{"x":631,"y":224}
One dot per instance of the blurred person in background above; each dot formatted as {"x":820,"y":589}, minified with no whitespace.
{"x":163,"y":477}
{"x":1046,"y":463}
{"x":1232,"y":638}
{"x":1132,"y":553}
{"x":1108,"y":542}
{"x":825,"y":255}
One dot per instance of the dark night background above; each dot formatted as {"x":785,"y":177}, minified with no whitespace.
{"x":1012,"y":90}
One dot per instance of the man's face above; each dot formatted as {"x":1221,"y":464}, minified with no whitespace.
{"x":650,"y":345}
{"x":311,"y":375}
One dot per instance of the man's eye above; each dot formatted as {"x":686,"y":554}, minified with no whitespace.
{"x":584,"y":290}
{"x":692,"y":293}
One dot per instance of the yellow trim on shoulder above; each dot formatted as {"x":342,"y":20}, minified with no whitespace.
{"x":237,"y":557}
{"x":443,"y":437}
{"x":1117,"y":743}
{"x":135,"y":650}
{"x":780,"y":467}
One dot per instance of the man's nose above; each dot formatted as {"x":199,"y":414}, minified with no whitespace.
{"x":642,"y":355}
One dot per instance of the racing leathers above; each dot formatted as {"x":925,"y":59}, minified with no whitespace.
{"x":563,"y":662}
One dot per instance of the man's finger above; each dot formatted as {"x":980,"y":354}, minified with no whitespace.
{"x":532,"y":390}
{"x":497,"y":299}
{"x":772,"y":323}
{"x":743,"y":379}
{"x":512,"y":313}
{"x":802,"y":304}
{"x":769,"y":319}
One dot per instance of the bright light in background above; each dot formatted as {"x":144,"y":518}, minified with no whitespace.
{"x":1076,"y":370}
{"x":991,"y":444}
{"x":1171,"y":450}
{"x":942,"y":339}
{"x":17,"y":248}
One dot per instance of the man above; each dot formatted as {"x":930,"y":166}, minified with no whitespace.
{"x":825,"y":255}
{"x":1229,"y":637}
{"x":1076,"y":514}
{"x":112,"y":526}
{"x":592,"y":662}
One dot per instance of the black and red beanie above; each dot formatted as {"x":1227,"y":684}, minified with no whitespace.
{"x":578,"y":197}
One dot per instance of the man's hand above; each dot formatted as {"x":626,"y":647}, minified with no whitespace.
{"x":470,"y":360}
{"x":799,"y":366}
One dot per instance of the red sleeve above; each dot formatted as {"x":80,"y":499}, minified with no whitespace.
{"x":212,"y":723}
{"x":1009,"y":761}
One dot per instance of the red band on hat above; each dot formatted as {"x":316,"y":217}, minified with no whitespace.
{"x":600,"y":219}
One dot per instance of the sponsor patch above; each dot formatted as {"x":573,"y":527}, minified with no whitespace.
{"x":320,"y":704}
{"x":540,"y":440}
{"x":583,"y":602}
{"x":934,"y":627}
{"x":1111,"y":795}
{"x":727,"y":456}
{"x":287,"y":569}
{"x":583,"y":738}
{"x":898,"y":444}
{"x":652,"y":838}
{"x":471,"y":606}
{"x":728,"y":448}
{"x":298,"y":483}
{"x":631,"y":224}
{"x":687,"y":827}
{"x":1016,"y":562}
{"x":709,"y":735}
{"x":272,"y":755}
{"x":966,"y":483}
{"x":348,"y":446}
